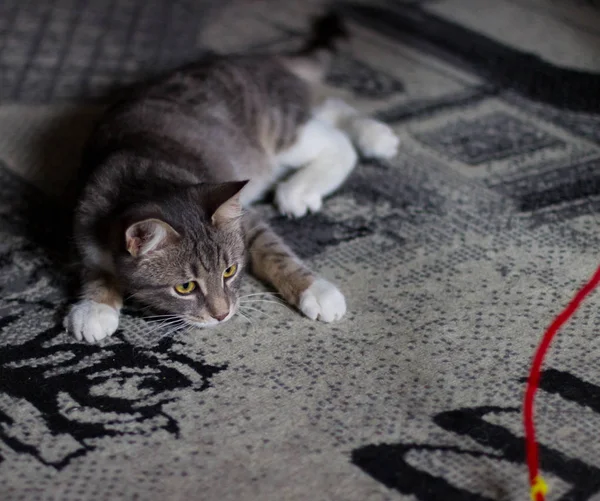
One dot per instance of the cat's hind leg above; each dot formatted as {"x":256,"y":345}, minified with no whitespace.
{"x":324,"y":157}
{"x":96,"y":315}
{"x":373,"y":138}
{"x":274,"y":262}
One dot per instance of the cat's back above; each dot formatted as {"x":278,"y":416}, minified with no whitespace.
{"x":240,"y":88}
{"x":216,"y":120}
{"x":220,"y":97}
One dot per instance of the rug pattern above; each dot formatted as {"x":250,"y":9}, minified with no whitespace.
{"x":454,"y":256}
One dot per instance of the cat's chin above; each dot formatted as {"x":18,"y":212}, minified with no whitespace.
{"x":203,"y":325}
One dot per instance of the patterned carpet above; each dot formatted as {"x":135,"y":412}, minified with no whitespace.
{"x":454,"y":257}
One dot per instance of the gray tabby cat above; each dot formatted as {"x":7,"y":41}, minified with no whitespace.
{"x":170,"y":170}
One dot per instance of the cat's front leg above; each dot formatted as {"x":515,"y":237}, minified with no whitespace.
{"x":96,"y":315}
{"x":322,"y":301}
{"x":272,"y":261}
{"x":324,"y":157}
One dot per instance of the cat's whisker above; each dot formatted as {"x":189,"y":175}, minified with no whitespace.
{"x":276,"y":298}
{"x":261,"y":294}
{"x":154,"y":333}
{"x":247,"y":319}
{"x":174,"y":331}
{"x":256,"y":309}
{"x":243,"y":315}
{"x":278,"y":303}
{"x":159,"y":316}
{"x":187,"y":328}
{"x":170,"y":333}
{"x":259,"y":300}
{"x":166,"y":323}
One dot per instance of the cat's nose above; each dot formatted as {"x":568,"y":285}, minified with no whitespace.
{"x":218,"y":308}
{"x":220,"y":316}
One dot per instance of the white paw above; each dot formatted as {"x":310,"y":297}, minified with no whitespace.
{"x":375,"y":139}
{"x":91,"y":321}
{"x":294,"y":201}
{"x":323,"y":301}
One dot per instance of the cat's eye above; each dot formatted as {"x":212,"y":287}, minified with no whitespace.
{"x":229,"y":272}
{"x":185,"y":288}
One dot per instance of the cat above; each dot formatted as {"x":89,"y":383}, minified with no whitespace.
{"x":169,"y":173}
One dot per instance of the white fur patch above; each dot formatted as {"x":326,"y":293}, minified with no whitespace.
{"x":335,"y":111}
{"x":323,"y":301}
{"x":314,"y":138}
{"x":324,"y":157}
{"x":374,"y":139}
{"x":293,"y":201}
{"x":91,"y":321}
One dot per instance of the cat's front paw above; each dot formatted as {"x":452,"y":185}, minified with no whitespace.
{"x":295,"y":201}
{"x":375,"y":139}
{"x":323,"y":301}
{"x":91,"y":321}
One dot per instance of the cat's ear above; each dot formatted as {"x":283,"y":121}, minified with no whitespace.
{"x":223,"y":202}
{"x":149,"y":235}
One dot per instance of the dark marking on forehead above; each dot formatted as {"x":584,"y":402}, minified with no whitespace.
{"x":194,"y":268}
{"x":219,"y":256}
{"x":207,"y":251}
{"x":201,"y":260}
{"x":215,"y":252}
{"x":201,"y":250}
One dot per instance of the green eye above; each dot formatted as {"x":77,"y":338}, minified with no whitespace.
{"x":229,"y":272}
{"x":185,"y":288}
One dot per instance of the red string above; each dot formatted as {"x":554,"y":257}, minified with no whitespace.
{"x":534,"y":378}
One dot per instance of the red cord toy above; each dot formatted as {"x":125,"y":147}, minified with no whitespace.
{"x":538,"y":486}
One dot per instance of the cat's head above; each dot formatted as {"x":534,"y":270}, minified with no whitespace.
{"x":185,"y":253}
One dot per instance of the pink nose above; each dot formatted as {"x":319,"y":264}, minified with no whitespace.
{"x":220,"y":316}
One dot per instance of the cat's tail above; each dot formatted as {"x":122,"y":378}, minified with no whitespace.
{"x":312,"y":61}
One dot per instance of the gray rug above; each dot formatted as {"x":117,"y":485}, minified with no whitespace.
{"x":454,"y":257}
